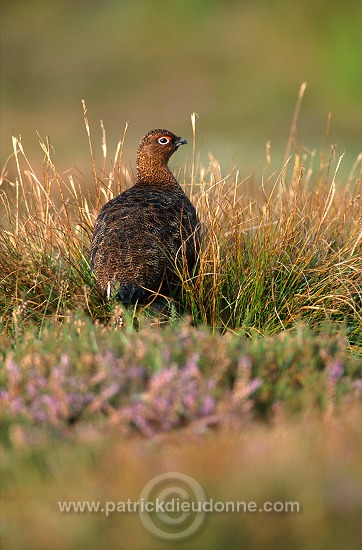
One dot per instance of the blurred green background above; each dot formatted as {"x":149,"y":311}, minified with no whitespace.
{"x":238,"y":64}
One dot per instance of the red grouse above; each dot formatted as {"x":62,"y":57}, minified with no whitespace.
{"x":142,"y":233}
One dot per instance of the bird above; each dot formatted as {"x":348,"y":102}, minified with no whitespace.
{"x":143,"y":233}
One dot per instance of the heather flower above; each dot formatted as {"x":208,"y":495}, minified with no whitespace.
{"x":357,"y":387}
{"x":63,"y":392}
{"x":335,"y":370}
{"x":173,"y":397}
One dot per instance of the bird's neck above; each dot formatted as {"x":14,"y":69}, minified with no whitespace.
{"x":153,"y":171}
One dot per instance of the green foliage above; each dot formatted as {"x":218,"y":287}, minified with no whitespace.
{"x":79,"y":372}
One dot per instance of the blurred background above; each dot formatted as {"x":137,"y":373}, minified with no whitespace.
{"x":237,"y":64}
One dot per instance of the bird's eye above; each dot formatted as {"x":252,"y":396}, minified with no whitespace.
{"x":163,"y":140}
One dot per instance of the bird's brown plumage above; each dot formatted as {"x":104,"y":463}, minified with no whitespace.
{"x":139,"y":234}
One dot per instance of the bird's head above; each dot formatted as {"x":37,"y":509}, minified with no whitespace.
{"x":155,"y":149}
{"x":160,"y":143}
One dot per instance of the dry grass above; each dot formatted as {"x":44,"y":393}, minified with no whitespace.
{"x":276,"y":250}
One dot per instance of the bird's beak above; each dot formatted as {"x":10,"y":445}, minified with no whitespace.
{"x":180,"y":141}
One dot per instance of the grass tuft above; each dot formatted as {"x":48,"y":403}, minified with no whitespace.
{"x":277,"y":250}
